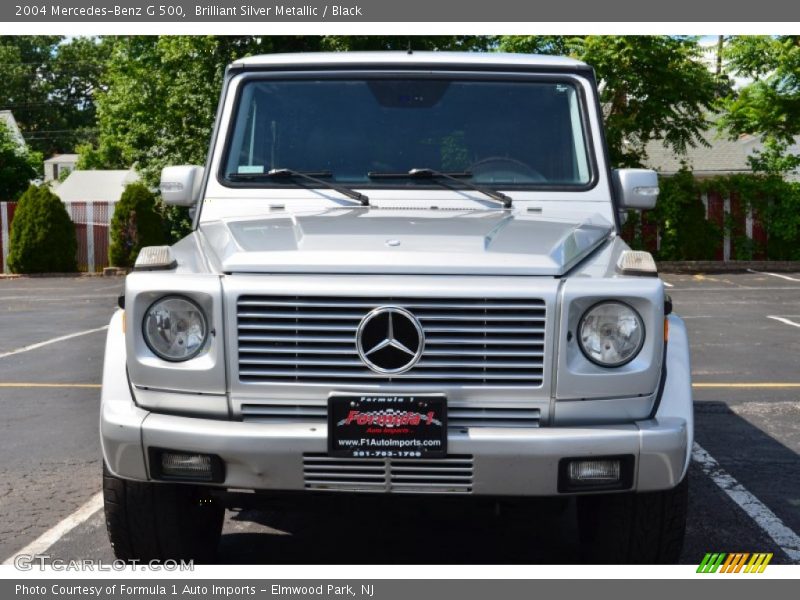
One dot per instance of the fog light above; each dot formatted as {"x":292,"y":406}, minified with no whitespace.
{"x":187,"y":466}
{"x":195,"y":466}
{"x":594,"y":471}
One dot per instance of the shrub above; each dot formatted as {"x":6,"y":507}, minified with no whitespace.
{"x":42,"y":234}
{"x":17,"y":166}
{"x":685,"y":232}
{"x":136,"y":223}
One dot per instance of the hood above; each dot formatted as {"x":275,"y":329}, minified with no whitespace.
{"x":392,"y":241}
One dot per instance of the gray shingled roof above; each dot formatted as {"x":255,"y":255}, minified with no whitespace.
{"x":723,"y":156}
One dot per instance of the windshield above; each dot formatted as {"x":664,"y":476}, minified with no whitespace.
{"x":371,"y":132}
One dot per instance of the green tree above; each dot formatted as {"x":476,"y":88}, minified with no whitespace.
{"x":558,"y":45}
{"x":42,"y":235}
{"x":770,"y":104}
{"x":17,"y":166}
{"x":136,"y":223}
{"x":49,"y":83}
{"x":418,"y":43}
{"x":159,"y":99}
{"x":651,"y":87}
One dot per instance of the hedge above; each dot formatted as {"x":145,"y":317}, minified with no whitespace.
{"x":136,"y":223}
{"x":42,"y":236}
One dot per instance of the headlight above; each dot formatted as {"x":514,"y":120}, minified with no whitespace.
{"x":610,"y":334}
{"x":175,"y":328}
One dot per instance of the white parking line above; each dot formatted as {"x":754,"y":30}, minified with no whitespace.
{"x":784,"y":320}
{"x":667,"y":284}
{"x":52,"y":535}
{"x":743,"y":288}
{"x":768,"y":521}
{"x":51,"y":341}
{"x":786,"y":277}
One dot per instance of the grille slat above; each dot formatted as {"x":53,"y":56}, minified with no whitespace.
{"x":358,"y":315}
{"x":370,"y":377}
{"x":316,"y":326}
{"x":282,"y":411}
{"x":370,"y":303}
{"x":493,"y":363}
{"x":453,"y":474}
{"x":300,"y":350}
{"x":312,"y":340}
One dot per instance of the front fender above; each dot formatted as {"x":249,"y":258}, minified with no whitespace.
{"x":676,"y":398}
{"x":120,"y":419}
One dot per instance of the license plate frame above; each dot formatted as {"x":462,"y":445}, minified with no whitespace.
{"x":407,"y":426}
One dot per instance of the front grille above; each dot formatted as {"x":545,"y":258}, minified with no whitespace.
{"x":457,"y":416}
{"x":451,"y":475}
{"x":468,"y":342}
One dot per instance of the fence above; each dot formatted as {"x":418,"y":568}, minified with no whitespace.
{"x":736,"y":224}
{"x":92,"y":229}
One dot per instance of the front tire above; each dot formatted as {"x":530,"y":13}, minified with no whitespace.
{"x":160,"y":521}
{"x":634,"y":528}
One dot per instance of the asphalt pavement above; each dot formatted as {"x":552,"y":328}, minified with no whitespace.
{"x":745,"y":335}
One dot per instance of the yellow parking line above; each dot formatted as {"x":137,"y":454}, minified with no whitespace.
{"x":747,"y":385}
{"x":50,"y":385}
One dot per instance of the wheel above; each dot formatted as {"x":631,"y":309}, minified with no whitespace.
{"x":631,"y":528}
{"x":510,"y":167}
{"x":160,"y":521}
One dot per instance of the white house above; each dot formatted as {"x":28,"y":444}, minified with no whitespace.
{"x":55,"y":166}
{"x":95,"y":185}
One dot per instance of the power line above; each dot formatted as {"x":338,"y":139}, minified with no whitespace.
{"x":44,"y":103}
{"x":38,"y":131}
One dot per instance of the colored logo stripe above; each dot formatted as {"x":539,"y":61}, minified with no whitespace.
{"x":735,"y":562}
{"x":758,"y":563}
{"x":711,"y":562}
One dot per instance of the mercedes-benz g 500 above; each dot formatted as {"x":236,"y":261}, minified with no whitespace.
{"x":406,"y":276}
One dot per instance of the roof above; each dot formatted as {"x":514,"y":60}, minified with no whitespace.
{"x":722,"y":156}
{"x":394,"y":59}
{"x":7,"y":118}
{"x":103,"y":186}
{"x":62,"y":158}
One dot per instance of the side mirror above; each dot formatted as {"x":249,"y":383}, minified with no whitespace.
{"x":636,"y":188}
{"x":180,"y":186}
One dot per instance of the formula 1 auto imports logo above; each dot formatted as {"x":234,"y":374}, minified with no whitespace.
{"x":735,"y":562}
{"x":389,"y":418}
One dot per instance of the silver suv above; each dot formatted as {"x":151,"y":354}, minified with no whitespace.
{"x":405,"y":277}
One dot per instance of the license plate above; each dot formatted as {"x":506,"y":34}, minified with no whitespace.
{"x":395,"y":426}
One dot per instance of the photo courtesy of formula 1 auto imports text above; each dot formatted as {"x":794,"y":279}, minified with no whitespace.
{"x":376,"y":300}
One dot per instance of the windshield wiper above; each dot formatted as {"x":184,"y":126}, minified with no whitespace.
{"x":457,"y":177}
{"x":313,"y":177}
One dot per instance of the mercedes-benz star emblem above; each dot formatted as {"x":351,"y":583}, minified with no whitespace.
{"x":390,"y":340}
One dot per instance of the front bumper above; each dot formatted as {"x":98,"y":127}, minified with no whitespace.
{"x":501,"y":462}
{"x":504,"y":462}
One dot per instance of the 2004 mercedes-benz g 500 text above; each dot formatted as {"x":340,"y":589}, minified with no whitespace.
{"x":406,"y":276}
